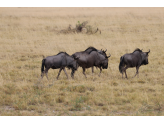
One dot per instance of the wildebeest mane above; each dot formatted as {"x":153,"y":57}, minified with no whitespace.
{"x":93,"y":49}
{"x":63,"y":52}
{"x":137,"y":49}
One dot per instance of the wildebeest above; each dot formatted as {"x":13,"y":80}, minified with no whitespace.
{"x":61,"y":60}
{"x":94,"y":58}
{"x":88,"y":51}
{"x":135,"y":59}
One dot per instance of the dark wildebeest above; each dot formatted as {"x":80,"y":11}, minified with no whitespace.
{"x":61,"y":60}
{"x":135,"y":59}
{"x":88,"y":51}
{"x":93,"y":59}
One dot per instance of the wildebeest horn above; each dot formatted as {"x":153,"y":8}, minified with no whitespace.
{"x":148,"y":51}
{"x":105,"y":50}
{"x":109,"y":56}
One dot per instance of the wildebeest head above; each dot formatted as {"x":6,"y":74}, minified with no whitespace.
{"x":104,"y":63}
{"x":74,"y":65}
{"x":145,"y":57}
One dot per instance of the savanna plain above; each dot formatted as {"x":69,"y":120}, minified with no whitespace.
{"x":26,"y":34}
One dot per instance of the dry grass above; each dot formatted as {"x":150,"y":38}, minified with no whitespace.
{"x":28,"y":33}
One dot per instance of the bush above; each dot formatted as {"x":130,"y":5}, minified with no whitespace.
{"x":81,"y":28}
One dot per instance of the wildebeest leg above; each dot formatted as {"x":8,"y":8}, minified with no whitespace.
{"x":125,"y":71}
{"x":136,"y":71}
{"x":100,"y":71}
{"x":72,"y":74}
{"x":84,"y":72}
{"x":46,"y":72}
{"x":65,"y":72}
{"x":125,"y":74}
{"x":122,"y":74}
{"x":59,"y":72}
{"x":42,"y":75}
{"x":92,"y":70}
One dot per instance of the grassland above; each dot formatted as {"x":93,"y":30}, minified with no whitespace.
{"x":26,"y":34}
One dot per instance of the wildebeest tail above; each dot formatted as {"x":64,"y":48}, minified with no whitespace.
{"x":121,"y":64}
{"x":43,"y":64}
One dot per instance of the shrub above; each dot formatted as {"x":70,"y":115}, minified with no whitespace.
{"x":81,"y":28}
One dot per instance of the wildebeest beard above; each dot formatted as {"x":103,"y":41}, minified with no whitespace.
{"x":105,"y":67}
{"x":144,"y":62}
